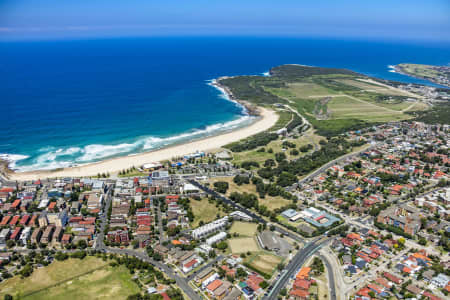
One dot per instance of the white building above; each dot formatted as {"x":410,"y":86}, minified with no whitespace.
{"x":25,"y":235}
{"x":216,"y":238}
{"x":190,"y":188}
{"x":440,"y":281}
{"x":239,"y":215}
{"x":210,"y":228}
{"x":43,"y":203}
{"x":4,"y":235}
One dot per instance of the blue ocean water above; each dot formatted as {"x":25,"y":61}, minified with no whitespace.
{"x":74,"y":102}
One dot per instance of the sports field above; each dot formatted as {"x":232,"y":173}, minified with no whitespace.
{"x":264,"y":262}
{"x":73,"y":279}
{"x":244,"y":228}
{"x":345,"y":107}
{"x":243,"y":245}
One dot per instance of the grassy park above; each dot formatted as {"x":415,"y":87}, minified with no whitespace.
{"x":204,"y":210}
{"x":264,"y":262}
{"x":270,"y":202}
{"x":73,"y":279}
{"x":243,"y":245}
{"x":244,"y":228}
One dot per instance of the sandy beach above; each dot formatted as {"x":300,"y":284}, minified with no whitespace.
{"x":266,"y":120}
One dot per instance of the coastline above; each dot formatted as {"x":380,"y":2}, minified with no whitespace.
{"x":266,"y":119}
{"x":399,"y":70}
{"x":249,"y":108}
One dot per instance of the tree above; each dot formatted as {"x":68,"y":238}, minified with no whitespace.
{"x":222,"y":245}
{"x":221,"y":186}
{"x":240,"y":273}
{"x":10,"y":243}
{"x":280,"y":156}
{"x":212,"y":254}
{"x":82,"y":244}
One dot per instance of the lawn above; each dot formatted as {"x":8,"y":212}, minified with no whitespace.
{"x":243,"y":245}
{"x":373,"y":87}
{"x":244,"y":228}
{"x":204,"y":210}
{"x":344,"y":107}
{"x":306,"y":89}
{"x":90,"y":278}
{"x":264,"y":262}
{"x":271,"y":202}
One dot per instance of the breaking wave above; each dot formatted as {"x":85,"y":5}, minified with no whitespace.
{"x":49,"y":158}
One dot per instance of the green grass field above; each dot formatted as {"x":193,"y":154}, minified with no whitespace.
{"x":244,"y":228}
{"x":243,"y":245}
{"x":90,"y":278}
{"x":264,"y":262}
{"x":270,"y":202}
{"x":204,"y":211}
{"x":344,"y":107}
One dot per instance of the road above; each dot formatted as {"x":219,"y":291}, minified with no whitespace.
{"x":305,"y":123}
{"x":331,"y":163}
{"x":160,"y":224}
{"x":215,"y":260}
{"x":294,"y":265}
{"x":331,"y":281}
{"x":99,"y":241}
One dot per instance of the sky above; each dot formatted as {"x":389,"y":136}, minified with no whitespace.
{"x":380,"y":19}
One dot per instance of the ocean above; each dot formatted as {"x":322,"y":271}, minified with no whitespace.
{"x":68,"y":103}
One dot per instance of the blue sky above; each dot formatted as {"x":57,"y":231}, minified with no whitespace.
{"x":381,"y":19}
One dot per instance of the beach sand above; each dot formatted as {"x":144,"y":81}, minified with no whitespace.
{"x":266,"y":120}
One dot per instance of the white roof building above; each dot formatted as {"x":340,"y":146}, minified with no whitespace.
{"x":188,"y":187}
{"x":210,"y":228}
{"x":441,"y":280}
{"x":25,"y":235}
{"x":216,"y":238}
{"x":43,"y":203}
{"x":239,"y":215}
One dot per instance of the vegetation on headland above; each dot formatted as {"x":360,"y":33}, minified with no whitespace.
{"x":436,"y":74}
{"x":332,"y":100}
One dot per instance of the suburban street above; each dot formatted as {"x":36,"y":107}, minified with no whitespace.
{"x":294,"y":265}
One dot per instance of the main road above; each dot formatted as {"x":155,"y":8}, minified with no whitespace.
{"x":331,"y":163}
{"x":295,"y":264}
